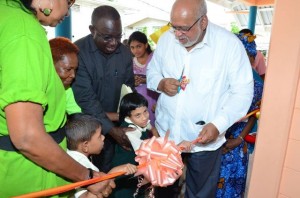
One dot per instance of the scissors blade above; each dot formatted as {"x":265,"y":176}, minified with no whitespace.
{"x":180,"y":79}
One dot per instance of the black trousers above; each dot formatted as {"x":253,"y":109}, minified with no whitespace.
{"x":172,"y":191}
{"x":202,"y":175}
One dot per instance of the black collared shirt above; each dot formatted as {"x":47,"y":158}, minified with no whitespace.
{"x":99,"y":79}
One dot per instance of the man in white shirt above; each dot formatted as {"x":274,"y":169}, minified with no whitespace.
{"x":205,"y":79}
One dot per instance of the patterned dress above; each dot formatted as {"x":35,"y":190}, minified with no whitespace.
{"x":151,"y":96}
{"x":234,"y":163}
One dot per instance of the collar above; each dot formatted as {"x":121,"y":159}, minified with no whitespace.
{"x":77,"y":153}
{"x":206,"y":39}
{"x":131,"y":124}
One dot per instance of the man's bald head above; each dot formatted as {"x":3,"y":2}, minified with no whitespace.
{"x":104,"y":12}
{"x":188,"y":9}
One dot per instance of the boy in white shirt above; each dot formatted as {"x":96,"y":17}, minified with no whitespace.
{"x":84,"y":139}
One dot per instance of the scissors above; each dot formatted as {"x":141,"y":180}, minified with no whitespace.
{"x":180,"y":80}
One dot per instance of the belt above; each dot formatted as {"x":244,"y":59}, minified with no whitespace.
{"x":6,"y":144}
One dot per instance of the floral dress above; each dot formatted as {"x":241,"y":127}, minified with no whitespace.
{"x":234,"y":164}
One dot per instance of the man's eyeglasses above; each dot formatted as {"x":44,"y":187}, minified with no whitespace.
{"x":183,"y":29}
{"x":108,"y":38}
{"x":70,"y":3}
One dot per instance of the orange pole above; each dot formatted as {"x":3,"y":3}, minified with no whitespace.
{"x":68,"y":187}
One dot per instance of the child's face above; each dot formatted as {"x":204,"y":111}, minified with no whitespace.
{"x":140,"y":116}
{"x":96,"y":143}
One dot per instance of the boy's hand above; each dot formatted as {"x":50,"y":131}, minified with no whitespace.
{"x":128,"y":168}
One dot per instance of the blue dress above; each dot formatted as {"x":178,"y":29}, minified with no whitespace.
{"x":234,"y":164}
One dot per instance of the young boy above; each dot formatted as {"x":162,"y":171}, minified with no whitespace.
{"x":84,"y":138}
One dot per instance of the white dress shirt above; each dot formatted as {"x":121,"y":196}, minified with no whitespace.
{"x":220,"y":90}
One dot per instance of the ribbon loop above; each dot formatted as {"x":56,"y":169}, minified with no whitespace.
{"x":159,"y":161}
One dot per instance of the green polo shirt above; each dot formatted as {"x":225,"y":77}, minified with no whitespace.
{"x":27,"y":74}
{"x":72,"y":106}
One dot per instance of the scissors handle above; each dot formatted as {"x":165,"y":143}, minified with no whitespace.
{"x":180,"y":79}
{"x":179,"y":87}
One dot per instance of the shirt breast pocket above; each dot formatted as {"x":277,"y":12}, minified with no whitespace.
{"x":206,"y":82}
{"x":118,"y":76}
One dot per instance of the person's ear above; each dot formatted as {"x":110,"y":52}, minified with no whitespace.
{"x":92,"y":29}
{"x":85,"y":146}
{"x":204,"y":22}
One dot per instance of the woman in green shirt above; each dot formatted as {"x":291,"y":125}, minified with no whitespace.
{"x":64,"y":54}
{"x":32,"y":103}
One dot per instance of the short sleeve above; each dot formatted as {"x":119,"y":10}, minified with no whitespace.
{"x":20,"y":73}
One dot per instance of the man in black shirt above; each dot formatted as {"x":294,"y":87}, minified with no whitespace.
{"x":104,"y":65}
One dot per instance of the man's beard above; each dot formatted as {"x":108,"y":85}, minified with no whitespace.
{"x":193,"y":42}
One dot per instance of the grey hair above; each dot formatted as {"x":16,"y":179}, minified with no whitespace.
{"x":203,"y":8}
